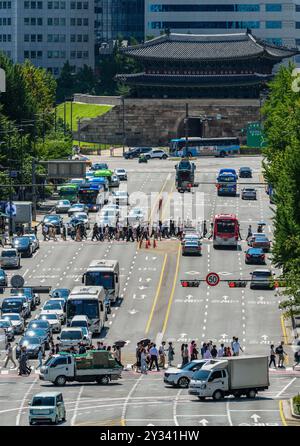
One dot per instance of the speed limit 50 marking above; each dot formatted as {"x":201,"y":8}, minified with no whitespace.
{"x":212,"y":279}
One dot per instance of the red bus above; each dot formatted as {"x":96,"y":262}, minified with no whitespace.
{"x":226,"y":230}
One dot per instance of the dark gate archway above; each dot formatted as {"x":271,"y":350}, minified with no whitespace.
{"x":195,"y":128}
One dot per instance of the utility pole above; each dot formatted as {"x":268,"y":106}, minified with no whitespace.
{"x":65,"y":113}
{"x":33,"y":164}
{"x":123,"y":123}
{"x":10,"y":184}
{"x":79,"y":119}
{"x":186,"y":128}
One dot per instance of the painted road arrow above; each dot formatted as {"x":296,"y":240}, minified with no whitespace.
{"x":255,"y":417}
{"x":204,"y":422}
{"x":133,"y":311}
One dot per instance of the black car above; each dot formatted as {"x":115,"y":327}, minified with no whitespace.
{"x":41,"y":333}
{"x":33,"y":298}
{"x":40,"y":323}
{"x":135,"y":152}
{"x":262,"y":279}
{"x":245,"y":172}
{"x":99,"y":166}
{"x":255,"y":256}
{"x":54,"y":220}
{"x":18,"y":304}
{"x":23,"y":245}
{"x":3,"y":278}
{"x":32,"y":344}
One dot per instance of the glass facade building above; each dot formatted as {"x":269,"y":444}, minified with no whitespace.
{"x":272,"y":20}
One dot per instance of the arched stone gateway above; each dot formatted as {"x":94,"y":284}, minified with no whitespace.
{"x":195,"y":127}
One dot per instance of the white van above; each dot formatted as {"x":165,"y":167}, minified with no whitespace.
{"x":104,"y":273}
{"x":47,"y":406}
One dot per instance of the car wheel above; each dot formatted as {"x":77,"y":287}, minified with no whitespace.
{"x":60,"y":380}
{"x":218,"y":395}
{"x":222,"y":154}
{"x":103,"y":380}
{"x":56,"y":420}
{"x":183,"y":382}
{"x":251,"y":394}
{"x":201,"y":398}
{"x":31,"y":423}
{"x":164,"y":157}
{"x":64,"y":418}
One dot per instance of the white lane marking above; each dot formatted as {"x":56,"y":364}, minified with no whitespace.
{"x":128,"y":398}
{"x":25,"y":272}
{"x":21,"y":408}
{"x":228,"y":413}
{"x":288,"y":385}
{"x":76,"y":406}
{"x":175,"y":408}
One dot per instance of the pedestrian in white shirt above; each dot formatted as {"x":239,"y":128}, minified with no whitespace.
{"x":221,"y":351}
{"x":236,"y":347}
{"x":207,"y":354}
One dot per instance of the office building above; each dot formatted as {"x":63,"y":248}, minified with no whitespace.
{"x":48,"y":32}
{"x":274,"y":21}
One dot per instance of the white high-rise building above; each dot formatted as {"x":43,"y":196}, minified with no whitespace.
{"x":48,"y":32}
{"x":272,"y":20}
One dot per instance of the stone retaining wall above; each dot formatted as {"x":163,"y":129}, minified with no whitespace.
{"x":154,"y":122}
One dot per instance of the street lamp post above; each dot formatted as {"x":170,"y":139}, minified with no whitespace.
{"x":186,"y":128}
{"x":123,"y":123}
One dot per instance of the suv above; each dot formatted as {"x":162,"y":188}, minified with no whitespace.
{"x":262,"y":279}
{"x":10,"y":258}
{"x":135,"y":152}
{"x":23,"y":245}
{"x":47,"y":406}
{"x":157,"y":153}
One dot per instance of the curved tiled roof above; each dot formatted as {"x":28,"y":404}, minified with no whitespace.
{"x":190,"y":79}
{"x":195,"y":47}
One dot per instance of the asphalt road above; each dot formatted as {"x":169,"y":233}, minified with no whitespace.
{"x":154,"y":305}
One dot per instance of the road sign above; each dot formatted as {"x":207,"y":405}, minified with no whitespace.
{"x":11,"y":209}
{"x":17,"y":281}
{"x":212,"y":279}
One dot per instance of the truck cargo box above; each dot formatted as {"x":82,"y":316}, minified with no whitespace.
{"x":248,"y":371}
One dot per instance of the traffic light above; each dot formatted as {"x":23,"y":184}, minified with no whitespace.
{"x":190,"y":283}
{"x":237,"y":284}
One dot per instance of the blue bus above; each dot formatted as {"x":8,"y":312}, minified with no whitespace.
{"x":205,"y":146}
{"x":226,"y":184}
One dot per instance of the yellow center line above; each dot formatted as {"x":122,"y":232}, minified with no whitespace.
{"x":282,"y":414}
{"x":173,"y":290}
{"x":285,"y":338}
{"x":156,"y":295}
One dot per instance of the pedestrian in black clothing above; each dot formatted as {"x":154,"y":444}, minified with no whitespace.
{"x":82,"y":349}
{"x":130,"y":234}
{"x":249,"y":232}
{"x":214,"y":351}
{"x":95,"y":232}
{"x":172,"y":228}
{"x":211,"y":231}
{"x":204,"y":229}
{"x":56,"y":349}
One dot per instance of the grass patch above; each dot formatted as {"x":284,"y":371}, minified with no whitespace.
{"x":80,"y":111}
{"x":296,"y":404}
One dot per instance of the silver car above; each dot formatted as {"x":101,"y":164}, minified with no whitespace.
{"x":248,"y":193}
{"x":34,"y":241}
{"x":181,"y":376}
{"x":114,"y":182}
{"x":10,"y":258}
{"x":62,"y":206}
{"x":16,"y":320}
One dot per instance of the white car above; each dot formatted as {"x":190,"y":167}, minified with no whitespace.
{"x":16,"y":320}
{"x":137,"y":214}
{"x":62,"y":206}
{"x":181,"y":376}
{"x":84,"y":217}
{"x":157,"y":153}
{"x":52,"y":306}
{"x":53,"y":320}
{"x":121,"y":174}
{"x":77,"y":207}
{"x":71,"y":337}
{"x":121,"y":197}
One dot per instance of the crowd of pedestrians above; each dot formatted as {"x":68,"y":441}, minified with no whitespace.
{"x":148,"y":355}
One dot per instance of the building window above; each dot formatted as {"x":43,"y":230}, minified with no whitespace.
{"x":62,"y":38}
{"x":273,"y":7}
{"x":62,"y":5}
{"x":297,"y":8}
{"x":85,"y":22}
{"x":39,"y":54}
{"x":79,"y":54}
{"x":85,"y":54}
{"x":26,"y":21}
{"x":79,"y":5}
{"x":55,"y":37}
{"x":206,"y":25}
{"x":72,"y":38}
{"x":274,"y":40}
{"x":33,"y":54}
{"x":33,"y":38}
{"x":56,"y":21}
{"x":79,"y":38}
{"x":63,"y":21}
{"x":85,"y":37}
{"x":73,"y":5}
{"x":73,"y":22}
{"x":40,"y":21}
{"x":26,"y":37}
{"x":205,"y":8}
{"x":40,"y":37}
{"x":26,"y":6}
{"x":62,"y":54}
{"x":73,"y":55}
{"x":273,"y":24}
{"x":50,"y":38}
{"x":85,"y":5}
{"x":297,"y":42}
{"x":79,"y":22}
{"x":26,"y":54}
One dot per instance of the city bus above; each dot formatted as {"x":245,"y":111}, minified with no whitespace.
{"x":226,"y":183}
{"x":102,"y":184}
{"x":104,"y":273}
{"x":69,"y":192}
{"x":92,"y":196}
{"x":205,"y":146}
{"x":87,"y":301}
{"x":225,"y":230}
{"x":104,"y":173}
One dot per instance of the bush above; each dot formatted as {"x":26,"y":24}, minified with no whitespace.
{"x":296,"y":404}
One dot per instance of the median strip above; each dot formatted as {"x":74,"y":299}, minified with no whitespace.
{"x":173,"y":290}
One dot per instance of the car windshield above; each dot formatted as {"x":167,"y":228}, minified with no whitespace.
{"x":43,"y":401}
{"x":30,"y":236}
{"x":11,"y":303}
{"x":261,"y":239}
{"x":28,"y":340}
{"x":20,"y":241}
{"x":262,"y":273}
{"x":249,"y":190}
{"x":121,"y":194}
{"x":95,"y":278}
{"x":33,"y":325}
{"x":87,"y":307}
{"x":78,"y":324}
{"x":64,"y":202}
{"x":49,"y":316}
{"x":35,"y":332}
{"x":4,"y":324}
{"x":12,"y":317}
{"x":201,"y":375}
{"x":76,"y":334}
{"x":9,"y":254}
{"x":51,"y":218}
{"x":52,"y":306}
{"x":2,"y":273}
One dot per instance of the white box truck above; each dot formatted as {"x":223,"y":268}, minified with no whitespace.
{"x":237,"y":376}
{"x":94,"y":366}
